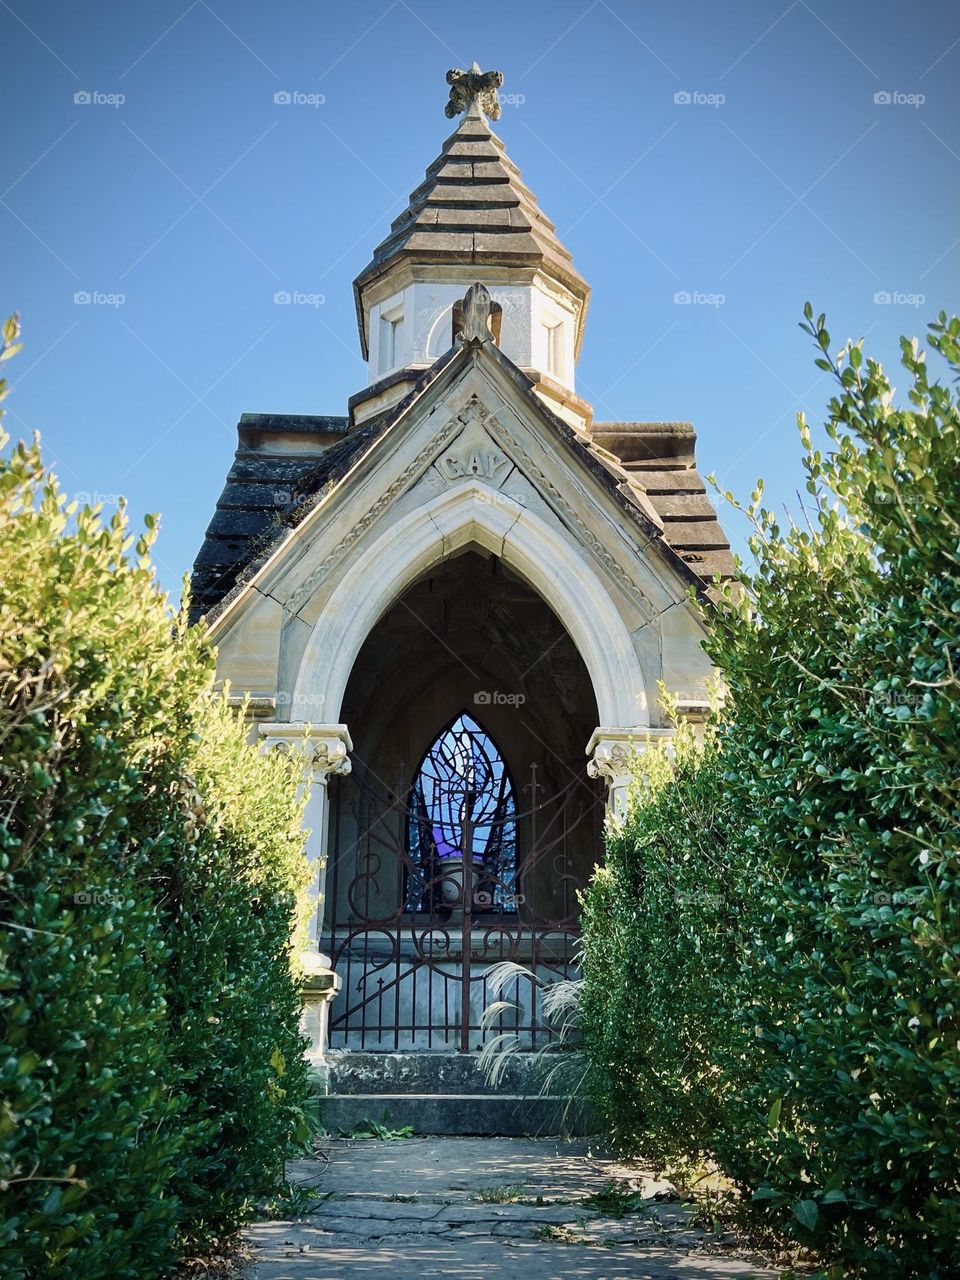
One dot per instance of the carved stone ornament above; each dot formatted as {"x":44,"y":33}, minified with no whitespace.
{"x":324,"y":748}
{"x":612,"y":751}
{"x":330,"y":756}
{"x":465,"y":86}
{"x":476,"y":317}
{"x":610,"y":760}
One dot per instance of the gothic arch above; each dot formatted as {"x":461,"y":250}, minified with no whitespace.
{"x":440,"y":337}
{"x":470,"y":514}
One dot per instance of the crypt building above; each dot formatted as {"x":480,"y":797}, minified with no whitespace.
{"x":459,"y":598}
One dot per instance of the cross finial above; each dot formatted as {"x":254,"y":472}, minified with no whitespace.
{"x":474,"y":85}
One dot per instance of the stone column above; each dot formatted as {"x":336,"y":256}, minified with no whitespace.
{"x":610,"y":752}
{"x":325,"y":751}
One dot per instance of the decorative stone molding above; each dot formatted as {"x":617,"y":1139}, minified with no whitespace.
{"x":325,"y":748}
{"x":514,"y":449}
{"x":389,"y":495}
{"x":539,"y":549}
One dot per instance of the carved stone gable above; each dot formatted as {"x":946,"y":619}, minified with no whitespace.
{"x":408,"y":476}
{"x":474,"y":455}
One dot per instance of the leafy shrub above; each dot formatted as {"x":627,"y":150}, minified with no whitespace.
{"x":150,"y":863}
{"x":666,"y":915}
{"x":815,"y":1057}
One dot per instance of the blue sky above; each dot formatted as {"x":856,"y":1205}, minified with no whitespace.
{"x":197,"y":197}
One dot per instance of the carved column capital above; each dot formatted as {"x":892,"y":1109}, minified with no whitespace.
{"x":325,"y":747}
{"x":611,"y":752}
{"x":610,"y":760}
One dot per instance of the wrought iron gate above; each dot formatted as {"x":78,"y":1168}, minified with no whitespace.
{"x":436,"y":880}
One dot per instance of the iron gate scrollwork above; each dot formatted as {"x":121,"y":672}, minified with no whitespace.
{"x":434,"y":881}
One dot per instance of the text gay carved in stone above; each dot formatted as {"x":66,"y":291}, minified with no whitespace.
{"x":488,"y":463}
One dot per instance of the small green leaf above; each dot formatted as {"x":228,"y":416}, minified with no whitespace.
{"x":52,"y":1202}
{"x":807,"y":1214}
{"x":773,"y":1116}
{"x":837,"y":1196}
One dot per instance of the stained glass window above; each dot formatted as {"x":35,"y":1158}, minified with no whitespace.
{"x":462,"y":807}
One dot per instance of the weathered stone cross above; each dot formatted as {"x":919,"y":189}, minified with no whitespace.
{"x":465,"y":86}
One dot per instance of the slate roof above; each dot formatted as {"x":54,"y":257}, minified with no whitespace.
{"x":473,"y":207}
{"x":659,"y":461}
{"x":274,"y":453}
{"x":285,"y":464}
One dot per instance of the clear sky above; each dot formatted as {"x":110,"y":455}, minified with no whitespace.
{"x":197,"y":198}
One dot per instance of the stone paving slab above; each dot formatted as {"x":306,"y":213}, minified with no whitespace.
{"x":481,"y":1209}
{"x":456,"y":1167}
{"x":468,"y":1260}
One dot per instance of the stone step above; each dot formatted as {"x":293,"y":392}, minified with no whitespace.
{"x":461,"y":1114}
{"x":355,"y":1072}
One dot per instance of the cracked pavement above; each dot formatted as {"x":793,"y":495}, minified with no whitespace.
{"x":482,"y":1209}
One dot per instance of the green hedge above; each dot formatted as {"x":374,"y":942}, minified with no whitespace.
{"x":798,"y":1022}
{"x":151,"y":871}
{"x":666,"y":914}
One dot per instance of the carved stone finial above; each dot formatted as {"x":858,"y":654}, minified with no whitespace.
{"x":465,"y":86}
{"x":472,"y":321}
{"x":476,"y":317}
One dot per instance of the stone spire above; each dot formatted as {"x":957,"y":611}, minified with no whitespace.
{"x":472,"y":210}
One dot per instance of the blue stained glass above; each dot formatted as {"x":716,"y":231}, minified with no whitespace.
{"x":462,"y":805}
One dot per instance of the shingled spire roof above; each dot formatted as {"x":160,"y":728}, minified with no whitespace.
{"x":473,"y":208}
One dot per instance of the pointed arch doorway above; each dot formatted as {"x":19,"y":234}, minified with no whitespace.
{"x":468,"y":824}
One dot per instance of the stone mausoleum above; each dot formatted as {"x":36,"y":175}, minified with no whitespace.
{"x":460,"y":595}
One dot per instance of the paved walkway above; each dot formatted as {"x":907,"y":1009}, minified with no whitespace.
{"x":481,"y":1209}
